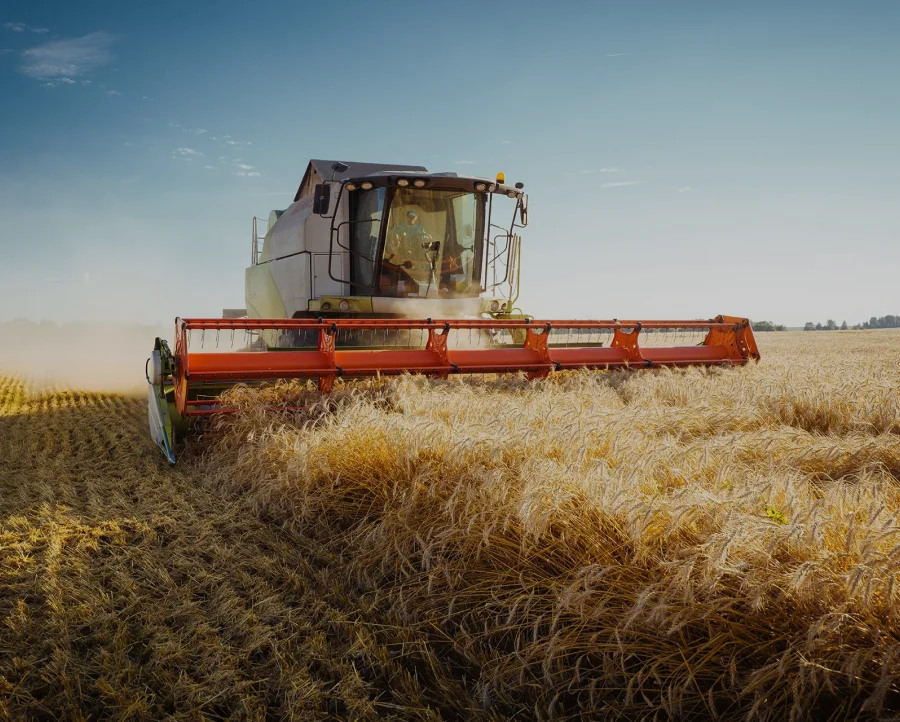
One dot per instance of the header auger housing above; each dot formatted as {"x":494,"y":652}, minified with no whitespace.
{"x":379,"y":270}
{"x":212,"y":355}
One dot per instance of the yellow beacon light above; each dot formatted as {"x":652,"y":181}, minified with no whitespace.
{"x":501,"y":178}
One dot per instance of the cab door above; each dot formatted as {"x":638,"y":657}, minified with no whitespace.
{"x":323,"y":283}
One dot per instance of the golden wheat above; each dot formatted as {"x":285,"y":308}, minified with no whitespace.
{"x":673,"y":544}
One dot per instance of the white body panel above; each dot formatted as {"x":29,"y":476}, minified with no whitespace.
{"x":291,"y":276}
{"x":295,"y":257}
{"x":299,"y":230}
{"x":323,"y":283}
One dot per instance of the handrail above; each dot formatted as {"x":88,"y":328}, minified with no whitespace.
{"x":255,"y":251}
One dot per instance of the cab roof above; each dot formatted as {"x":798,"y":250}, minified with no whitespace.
{"x":319,"y":171}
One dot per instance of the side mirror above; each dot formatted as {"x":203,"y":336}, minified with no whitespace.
{"x":523,"y":210}
{"x":322,"y":199}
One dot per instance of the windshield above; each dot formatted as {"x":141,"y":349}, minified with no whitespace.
{"x":432,"y":244}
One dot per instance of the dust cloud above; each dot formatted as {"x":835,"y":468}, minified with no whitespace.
{"x":78,"y":356}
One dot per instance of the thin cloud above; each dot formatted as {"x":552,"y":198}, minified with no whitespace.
{"x":685,"y":189}
{"x":238,"y":167}
{"x":113,"y":92}
{"x":68,"y":58}
{"x":59,"y":81}
{"x":195,"y":131}
{"x":22,"y":27}
{"x":228,"y":144}
{"x":618,"y":55}
{"x":621,"y":183}
{"x":186,"y":153}
{"x":464,"y":162}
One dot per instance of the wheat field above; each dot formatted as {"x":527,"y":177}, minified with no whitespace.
{"x":696,"y":544}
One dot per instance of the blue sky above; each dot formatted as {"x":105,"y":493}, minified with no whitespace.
{"x":682,"y":159}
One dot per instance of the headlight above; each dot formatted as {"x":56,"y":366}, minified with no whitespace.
{"x":402,"y":182}
{"x":495,"y":306}
{"x":419,"y":183}
{"x":480,"y":186}
{"x":344,"y":306}
{"x":326,"y":306}
{"x":492,"y":187}
{"x":350,"y":186}
{"x":366,"y":186}
{"x":510,"y":194}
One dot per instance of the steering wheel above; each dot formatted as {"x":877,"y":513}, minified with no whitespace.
{"x":405,"y":264}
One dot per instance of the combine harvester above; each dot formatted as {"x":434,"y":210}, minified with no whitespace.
{"x":389,"y":269}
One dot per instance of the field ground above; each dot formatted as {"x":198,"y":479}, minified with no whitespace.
{"x":692,"y":544}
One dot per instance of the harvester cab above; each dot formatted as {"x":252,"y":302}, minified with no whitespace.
{"x":388,"y":241}
{"x":379,"y":270}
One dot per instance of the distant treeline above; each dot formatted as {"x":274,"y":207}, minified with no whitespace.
{"x":767,"y":326}
{"x":888,"y":321}
{"x":829,"y":325}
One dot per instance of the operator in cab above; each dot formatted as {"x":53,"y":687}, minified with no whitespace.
{"x":407,"y":236}
{"x":406,"y":262}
